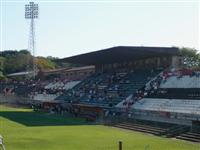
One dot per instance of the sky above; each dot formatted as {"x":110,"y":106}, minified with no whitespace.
{"x":67,"y":28}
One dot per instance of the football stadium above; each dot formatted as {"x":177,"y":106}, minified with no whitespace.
{"x":140,"y":97}
{"x":107,"y":75}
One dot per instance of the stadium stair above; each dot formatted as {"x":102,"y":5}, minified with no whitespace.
{"x":190,"y":136}
{"x":176,"y":131}
{"x":141,"y":128}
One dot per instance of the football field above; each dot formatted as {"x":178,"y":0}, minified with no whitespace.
{"x":24,"y":129}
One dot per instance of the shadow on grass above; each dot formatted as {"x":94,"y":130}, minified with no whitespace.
{"x":41,"y":119}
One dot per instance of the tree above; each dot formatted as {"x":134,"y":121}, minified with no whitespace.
{"x":2,"y":59}
{"x":45,"y":63}
{"x":17,"y":62}
{"x":191,"y":57}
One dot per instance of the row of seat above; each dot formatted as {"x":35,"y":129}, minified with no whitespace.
{"x":61,"y":85}
{"x":181,"y":82}
{"x":107,"y":89}
{"x":44,"y":97}
{"x":176,"y":93}
{"x":168,"y":105}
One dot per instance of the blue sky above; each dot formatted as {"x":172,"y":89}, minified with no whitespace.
{"x":74,"y":27}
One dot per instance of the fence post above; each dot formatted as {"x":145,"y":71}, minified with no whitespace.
{"x":120,"y":145}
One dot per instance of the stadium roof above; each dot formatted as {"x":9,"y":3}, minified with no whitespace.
{"x":19,"y":74}
{"x":120,"y":54}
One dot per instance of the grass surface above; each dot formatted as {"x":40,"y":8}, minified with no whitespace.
{"x":24,"y":129}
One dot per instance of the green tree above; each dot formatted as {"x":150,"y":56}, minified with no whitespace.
{"x":191,"y":57}
{"x":45,"y":63}
{"x":2,"y":59}
{"x":17,"y":63}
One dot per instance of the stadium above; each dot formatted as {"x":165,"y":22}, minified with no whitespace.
{"x":142,"y":96}
{"x":99,"y":75}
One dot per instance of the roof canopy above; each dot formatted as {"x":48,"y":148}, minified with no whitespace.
{"x":19,"y":74}
{"x":121,"y":54}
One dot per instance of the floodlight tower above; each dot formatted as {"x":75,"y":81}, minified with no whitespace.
{"x":31,"y":13}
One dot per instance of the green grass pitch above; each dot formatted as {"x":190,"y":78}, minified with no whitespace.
{"x":24,"y":129}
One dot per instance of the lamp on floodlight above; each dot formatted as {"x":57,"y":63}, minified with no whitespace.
{"x":31,"y":11}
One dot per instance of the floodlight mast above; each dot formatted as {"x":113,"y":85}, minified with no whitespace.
{"x":31,"y":13}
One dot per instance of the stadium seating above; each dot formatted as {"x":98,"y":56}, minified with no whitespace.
{"x":169,"y":105}
{"x":16,"y":88}
{"x":175,"y":93}
{"x":44,"y":97}
{"x":38,"y":90}
{"x":70,"y":84}
{"x":55,"y":85}
{"x":181,"y":82}
{"x":107,"y":89}
{"x":61,"y":85}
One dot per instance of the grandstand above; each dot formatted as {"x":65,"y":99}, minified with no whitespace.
{"x":107,"y":89}
{"x":120,"y":72}
{"x":175,"y":99}
{"x":138,"y":88}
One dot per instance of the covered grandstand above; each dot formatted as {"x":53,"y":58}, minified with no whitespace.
{"x":144,"y":86}
{"x":119,"y":72}
{"x":146,"y":83}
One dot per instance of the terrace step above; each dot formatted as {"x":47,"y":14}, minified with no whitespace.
{"x":157,"y":131}
{"x":137,"y":129}
{"x":143,"y":126}
{"x":194,"y":134}
{"x":191,"y":135}
{"x":140,"y":128}
{"x":188,"y":139}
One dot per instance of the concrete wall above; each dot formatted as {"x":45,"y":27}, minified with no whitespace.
{"x":164,"y":120}
{"x":12,"y":99}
